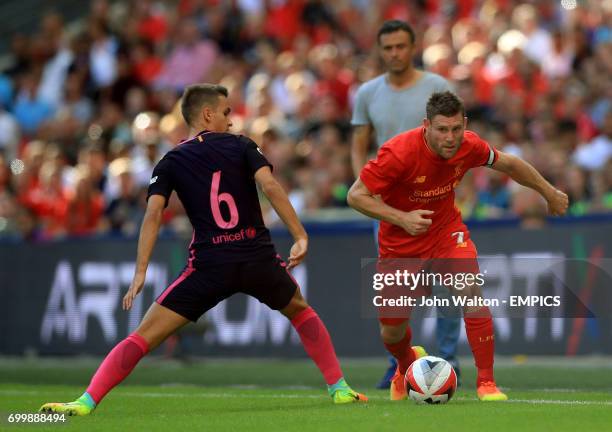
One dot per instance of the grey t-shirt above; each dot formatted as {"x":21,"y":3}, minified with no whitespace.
{"x":391,"y":111}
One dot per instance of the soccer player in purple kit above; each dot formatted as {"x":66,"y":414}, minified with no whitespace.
{"x":214,"y":175}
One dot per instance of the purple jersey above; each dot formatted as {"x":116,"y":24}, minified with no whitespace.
{"x":213,"y":176}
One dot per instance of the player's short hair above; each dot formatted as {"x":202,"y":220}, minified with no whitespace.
{"x":392,"y":26}
{"x":444,"y":103}
{"x":197,"y":96}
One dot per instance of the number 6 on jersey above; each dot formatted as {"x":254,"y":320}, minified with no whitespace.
{"x":215,"y":204}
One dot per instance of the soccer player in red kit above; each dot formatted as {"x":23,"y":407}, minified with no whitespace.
{"x":214,"y":175}
{"x":409,"y":187}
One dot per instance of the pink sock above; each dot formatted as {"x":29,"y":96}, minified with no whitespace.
{"x":318,"y":344}
{"x":117,"y":365}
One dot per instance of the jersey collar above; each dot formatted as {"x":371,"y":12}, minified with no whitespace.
{"x":197,"y":137}
{"x":200,"y":136}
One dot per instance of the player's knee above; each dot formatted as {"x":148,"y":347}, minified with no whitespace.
{"x":159,"y":323}
{"x":295,"y":306}
{"x":151,"y":337}
{"x":467,"y":290}
{"x":476,"y":312}
{"x":392,"y":334}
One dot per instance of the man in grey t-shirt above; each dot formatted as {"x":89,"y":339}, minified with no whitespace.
{"x":391,"y":110}
{"x":389,"y":104}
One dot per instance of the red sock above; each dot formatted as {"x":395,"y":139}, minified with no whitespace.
{"x":117,"y":365}
{"x":480,"y":334}
{"x":318,"y":344}
{"x":402,"y":351}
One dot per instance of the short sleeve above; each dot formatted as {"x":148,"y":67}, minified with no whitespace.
{"x":255,"y":158}
{"x":383,"y":172}
{"x":360,"y":110}
{"x":161,"y":180}
{"x":481,"y":152}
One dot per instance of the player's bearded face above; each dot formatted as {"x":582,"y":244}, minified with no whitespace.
{"x":445,"y":134}
{"x":396,"y":51}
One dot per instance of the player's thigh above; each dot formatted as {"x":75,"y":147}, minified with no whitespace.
{"x":396,"y":298}
{"x":269,"y":281}
{"x":158,"y":323}
{"x":461,"y":260}
{"x":196,"y":291}
{"x":455,"y":256}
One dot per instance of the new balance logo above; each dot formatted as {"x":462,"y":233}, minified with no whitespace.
{"x":420,"y":179}
{"x":153,"y":180}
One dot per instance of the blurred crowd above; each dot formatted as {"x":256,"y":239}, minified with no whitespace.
{"x":87,"y":108}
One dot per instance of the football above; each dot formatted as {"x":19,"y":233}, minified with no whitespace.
{"x":431,"y":380}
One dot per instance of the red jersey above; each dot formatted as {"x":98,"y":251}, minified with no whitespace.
{"x":409,"y":176}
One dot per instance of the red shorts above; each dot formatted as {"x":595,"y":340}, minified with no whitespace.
{"x":452,"y":252}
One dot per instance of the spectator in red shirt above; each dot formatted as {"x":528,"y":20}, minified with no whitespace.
{"x":52,"y":201}
{"x":85,"y":207}
{"x":146,"y":65}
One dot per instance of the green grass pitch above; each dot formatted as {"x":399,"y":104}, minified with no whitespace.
{"x":288,"y":395}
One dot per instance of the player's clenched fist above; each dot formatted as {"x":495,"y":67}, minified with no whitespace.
{"x":416,"y":222}
{"x":557,"y":203}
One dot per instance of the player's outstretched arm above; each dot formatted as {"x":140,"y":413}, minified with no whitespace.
{"x":280,"y":201}
{"x":523,"y":173}
{"x":361,"y":199}
{"x":146,"y":241}
{"x":359,"y":147}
